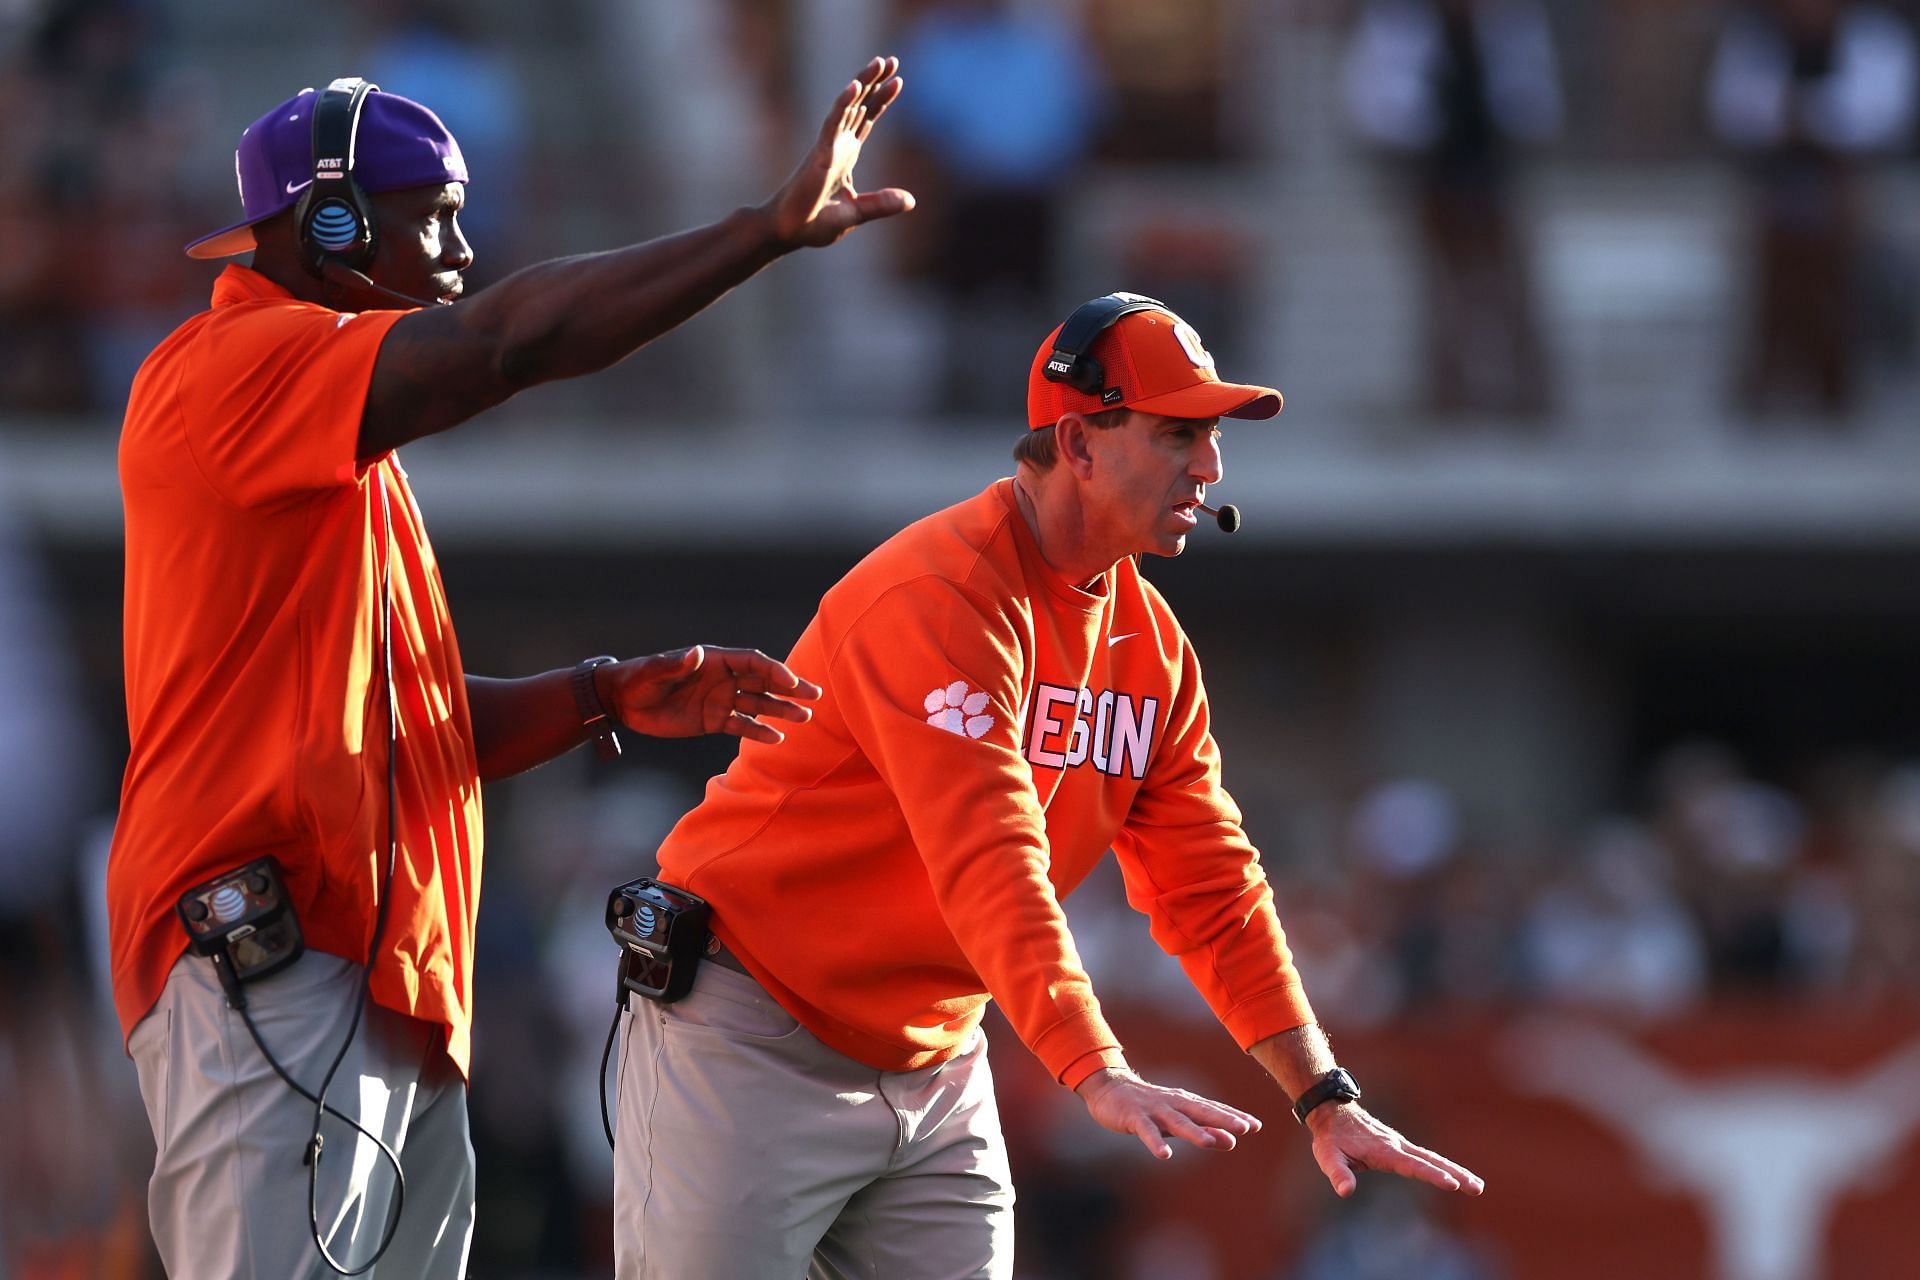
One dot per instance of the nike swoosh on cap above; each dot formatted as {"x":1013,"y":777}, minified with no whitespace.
{"x":295,"y":186}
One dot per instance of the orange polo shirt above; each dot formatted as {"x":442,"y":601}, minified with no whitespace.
{"x":989,"y":730}
{"x":254,"y":546}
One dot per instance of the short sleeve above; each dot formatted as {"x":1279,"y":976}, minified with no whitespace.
{"x":272,"y":405}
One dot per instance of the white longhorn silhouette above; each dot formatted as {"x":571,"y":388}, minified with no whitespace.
{"x":1768,"y":1153}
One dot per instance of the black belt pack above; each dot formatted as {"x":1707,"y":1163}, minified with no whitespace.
{"x":662,"y":932}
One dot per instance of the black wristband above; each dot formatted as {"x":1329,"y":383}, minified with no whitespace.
{"x":594,"y":716}
{"x":1335,"y":1086}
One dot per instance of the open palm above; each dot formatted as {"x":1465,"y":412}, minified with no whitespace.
{"x":706,"y":689}
{"x":819,"y":203}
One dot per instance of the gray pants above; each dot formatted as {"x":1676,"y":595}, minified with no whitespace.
{"x":748,"y":1150}
{"x":228,"y":1198}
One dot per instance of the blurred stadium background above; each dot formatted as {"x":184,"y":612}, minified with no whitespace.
{"x":1565,"y":667}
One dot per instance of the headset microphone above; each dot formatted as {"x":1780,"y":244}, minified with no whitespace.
{"x":1226,"y":515}
{"x":332,"y":269}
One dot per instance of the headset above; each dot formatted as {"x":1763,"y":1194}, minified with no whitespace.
{"x":334,"y":217}
{"x":1069,"y":361}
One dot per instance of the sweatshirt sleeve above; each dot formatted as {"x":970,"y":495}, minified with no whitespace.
{"x":928,"y":681}
{"x":1191,"y":870}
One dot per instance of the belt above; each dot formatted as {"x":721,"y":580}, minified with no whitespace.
{"x":717,"y":953}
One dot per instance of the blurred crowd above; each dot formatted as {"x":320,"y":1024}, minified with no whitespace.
{"x":1019,"y":109}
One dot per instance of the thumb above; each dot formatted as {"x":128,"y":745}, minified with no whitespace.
{"x":884,"y":203}
{"x":1339,"y":1172}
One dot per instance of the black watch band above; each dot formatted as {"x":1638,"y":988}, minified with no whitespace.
{"x":594,"y":716}
{"x":1335,"y":1086}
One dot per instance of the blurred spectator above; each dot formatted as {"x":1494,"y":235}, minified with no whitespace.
{"x":91,"y":205}
{"x":1805,"y":91}
{"x":1169,"y":66}
{"x":427,"y":50}
{"x":1431,"y":905}
{"x":1886,"y":891}
{"x":1455,"y":87}
{"x":1004,"y":111}
{"x":1611,"y":932}
{"x":1386,"y":1233}
{"x":1737,"y":842}
{"x":69,"y":1203}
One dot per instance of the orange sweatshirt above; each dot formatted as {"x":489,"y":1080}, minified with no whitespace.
{"x":988,"y":732}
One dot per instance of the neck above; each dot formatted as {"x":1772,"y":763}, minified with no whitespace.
{"x":1053,"y":514}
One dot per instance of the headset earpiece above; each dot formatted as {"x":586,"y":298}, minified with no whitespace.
{"x":334,"y":218}
{"x":1069,"y":361}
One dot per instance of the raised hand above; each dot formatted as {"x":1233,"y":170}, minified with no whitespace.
{"x":819,"y":203}
{"x":1123,"y":1102}
{"x":705,"y":689}
{"x":1346,"y":1139}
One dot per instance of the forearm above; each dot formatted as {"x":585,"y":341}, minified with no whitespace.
{"x":440,"y":366}
{"x":519,"y":724}
{"x":573,"y":316}
{"x":1295,"y":1059}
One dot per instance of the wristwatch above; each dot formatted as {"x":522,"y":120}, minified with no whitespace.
{"x":1335,"y":1086}
{"x":594,"y":716}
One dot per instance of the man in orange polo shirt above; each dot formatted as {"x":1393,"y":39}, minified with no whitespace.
{"x":1006,"y":699}
{"x":294,"y":689}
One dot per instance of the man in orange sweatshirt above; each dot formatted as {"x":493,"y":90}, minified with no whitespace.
{"x":1006,"y":699}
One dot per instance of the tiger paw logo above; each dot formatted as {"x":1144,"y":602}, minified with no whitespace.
{"x":958,"y":709}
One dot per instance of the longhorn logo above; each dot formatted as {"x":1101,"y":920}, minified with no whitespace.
{"x":1768,"y":1153}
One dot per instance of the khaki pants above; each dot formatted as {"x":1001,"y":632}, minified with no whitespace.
{"x":748,"y":1150}
{"x":228,"y":1197}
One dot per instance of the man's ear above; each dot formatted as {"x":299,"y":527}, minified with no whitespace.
{"x":1073,"y":442}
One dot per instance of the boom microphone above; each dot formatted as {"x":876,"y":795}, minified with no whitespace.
{"x":345,"y":276}
{"x":1226,"y":515}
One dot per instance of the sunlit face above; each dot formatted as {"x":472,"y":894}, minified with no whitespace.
{"x":421,"y":251}
{"x":1149,"y":476}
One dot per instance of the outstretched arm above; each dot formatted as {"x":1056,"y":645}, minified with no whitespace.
{"x":518,"y":724}
{"x":1345,"y":1138}
{"x":442,"y":365}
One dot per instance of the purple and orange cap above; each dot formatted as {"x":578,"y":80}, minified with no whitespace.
{"x":399,"y":144}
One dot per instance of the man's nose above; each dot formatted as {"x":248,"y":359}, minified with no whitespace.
{"x":1207,"y":465}
{"x":457,"y":254}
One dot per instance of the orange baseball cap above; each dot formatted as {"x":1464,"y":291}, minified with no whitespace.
{"x":1154,"y":362}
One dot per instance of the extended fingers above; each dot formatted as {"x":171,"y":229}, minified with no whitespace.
{"x":1202,"y":1121}
{"x":853,"y":106}
{"x":1148,"y":1130}
{"x":741,"y":725}
{"x":841,"y":112}
{"x":766,"y":704}
{"x":1216,"y":1114}
{"x":877,"y":103}
{"x":1389,"y":1152}
{"x":1432,"y":1167}
{"x":755,"y":672}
